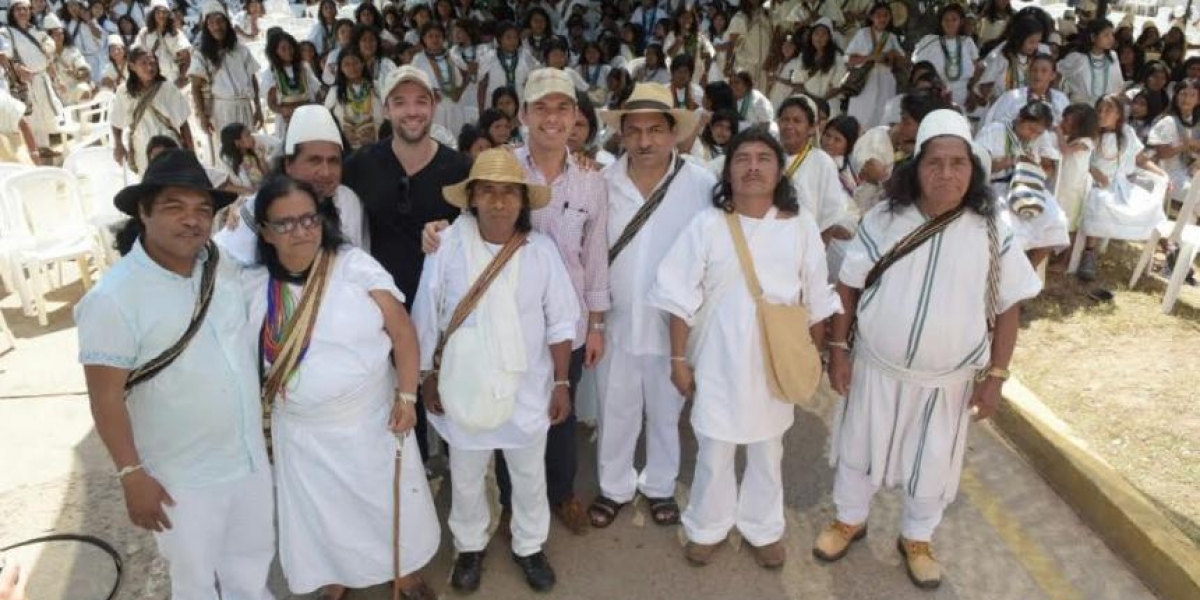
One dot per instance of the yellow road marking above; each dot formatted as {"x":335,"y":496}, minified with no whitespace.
{"x":1029,"y":552}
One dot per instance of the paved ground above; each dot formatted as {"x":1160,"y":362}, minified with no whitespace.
{"x":1007,"y":536}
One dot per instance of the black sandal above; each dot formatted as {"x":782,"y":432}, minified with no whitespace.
{"x":603,"y":511}
{"x":664,"y":511}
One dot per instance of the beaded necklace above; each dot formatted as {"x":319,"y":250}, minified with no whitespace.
{"x":509,"y":63}
{"x":445,"y":74}
{"x":954,"y":65}
{"x":1099,"y":65}
{"x":290,"y":86}
{"x":359,"y":100}
{"x":281,"y":307}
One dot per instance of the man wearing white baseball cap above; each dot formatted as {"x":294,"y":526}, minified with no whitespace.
{"x":576,"y":219}
{"x":926,"y":358}
{"x":312,"y":153}
{"x":400,"y":181}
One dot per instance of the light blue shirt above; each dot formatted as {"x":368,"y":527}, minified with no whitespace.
{"x":198,"y":422}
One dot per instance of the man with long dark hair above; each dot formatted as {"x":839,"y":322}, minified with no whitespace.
{"x":932,"y":287}
{"x":717,"y":356}
{"x":168,"y":353}
{"x":224,"y":75}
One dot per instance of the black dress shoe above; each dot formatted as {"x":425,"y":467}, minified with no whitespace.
{"x":538,"y":573}
{"x":468,"y":571}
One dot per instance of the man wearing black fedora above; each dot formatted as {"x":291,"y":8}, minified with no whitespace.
{"x":168,"y":354}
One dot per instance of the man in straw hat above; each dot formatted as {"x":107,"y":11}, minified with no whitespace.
{"x":576,"y":219}
{"x":400,"y":181}
{"x":312,"y":153}
{"x":496,"y":316}
{"x":717,"y":346}
{"x":916,"y":381}
{"x":653,"y":193}
{"x":168,"y":352}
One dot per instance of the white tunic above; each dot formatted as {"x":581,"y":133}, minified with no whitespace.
{"x":241,"y":242}
{"x":701,"y":282}
{"x":1087,"y":81}
{"x":1050,"y":228}
{"x":1008,"y":105}
{"x":785,"y":74}
{"x":820,"y":191}
{"x":1121,"y":210}
{"x":448,"y":81}
{"x":493,"y":68}
{"x":166,"y":116}
{"x":306,"y":90}
{"x":334,"y":455}
{"x":231,"y":84}
{"x":922,"y":335}
{"x":548,"y":312}
{"x":633,"y":324}
{"x":867,"y":107}
{"x":1168,"y":130}
{"x":37,"y":58}
{"x":818,"y":84}
{"x":755,"y":108}
{"x":953,"y":58}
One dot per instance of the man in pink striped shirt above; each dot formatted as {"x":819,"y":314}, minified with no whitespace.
{"x":576,"y":219}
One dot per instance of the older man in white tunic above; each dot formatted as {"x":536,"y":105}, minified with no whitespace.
{"x":935,"y":282}
{"x":312,"y":153}
{"x":715,"y":330}
{"x":495,"y":314}
{"x":652,"y":194}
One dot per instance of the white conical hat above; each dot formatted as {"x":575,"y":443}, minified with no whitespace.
{"x":942,"y":122}
{"x":311,"y":123}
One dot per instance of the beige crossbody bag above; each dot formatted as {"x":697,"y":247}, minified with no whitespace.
{"x":791,"y":359}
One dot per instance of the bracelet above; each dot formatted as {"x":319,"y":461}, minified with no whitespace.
{"x":678,"y":359}
{"x":406,"y":397}
{"x":997,"y":372}
{"x":563,"y":382}
{"x":839,"y":345}
{"x":597,"y":326}
{"x":126,"y":470}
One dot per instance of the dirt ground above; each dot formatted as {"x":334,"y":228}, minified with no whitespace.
{"x":1125,"y":377}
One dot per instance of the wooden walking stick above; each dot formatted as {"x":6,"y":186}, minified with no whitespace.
{"x":396,"y":516}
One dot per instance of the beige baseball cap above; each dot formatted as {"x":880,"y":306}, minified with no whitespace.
{"x":546,"y":81}
{"x":406,"y":73}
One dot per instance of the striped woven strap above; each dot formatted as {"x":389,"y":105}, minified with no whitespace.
{"x":154,"y":366}
{"x":299,"y":329}
{"x":643,"y":214}
{"x":478,"y":288}
{"x":911,"y":242}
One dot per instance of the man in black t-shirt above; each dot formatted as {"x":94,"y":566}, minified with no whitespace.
{"x":400,"y":179}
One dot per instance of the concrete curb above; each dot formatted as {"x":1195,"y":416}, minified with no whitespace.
{"x":1157,"y":551}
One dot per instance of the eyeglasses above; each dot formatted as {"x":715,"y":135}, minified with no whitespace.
{"x":288,"y":225}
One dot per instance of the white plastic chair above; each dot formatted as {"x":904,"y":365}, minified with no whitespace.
{"x":10,"y":241}
{"x":1186,"y":237}
{"x":100,"y":178}
{"x":48,"y":213}
{"x":87,"y":123}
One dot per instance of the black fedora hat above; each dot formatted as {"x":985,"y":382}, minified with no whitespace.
{"x":172,"y":168}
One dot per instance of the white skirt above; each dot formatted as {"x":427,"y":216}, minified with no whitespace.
{"x":1123,"y":211}
{"x":234,"y":110}
{"x":1047,"y":230}
{"x":334,"y":479}
{"x":902,"y":434}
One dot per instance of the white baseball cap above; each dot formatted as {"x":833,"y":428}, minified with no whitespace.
{"x":546,"y":81}
{"x":406,"y":73}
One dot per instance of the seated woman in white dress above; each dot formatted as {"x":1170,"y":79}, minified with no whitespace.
{"x":340,"y":382}
{"x":1027,"y":141}
{"x":496,"y":376}
{"x":1117,"y":207}
{"x":1175,"y":138}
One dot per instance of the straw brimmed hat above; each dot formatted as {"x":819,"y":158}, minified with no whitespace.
{"x":648,"y":98}
{"x":499,"y":165}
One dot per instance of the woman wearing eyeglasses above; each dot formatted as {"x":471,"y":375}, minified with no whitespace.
{"x":339,"y":365}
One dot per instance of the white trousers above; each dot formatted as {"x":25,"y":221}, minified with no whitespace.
{"x":717,"y":504}
{"x":629,"y":386}
{"x":221,"y":535}
{"x":852,"y":493}
{"x":469,"y":509}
